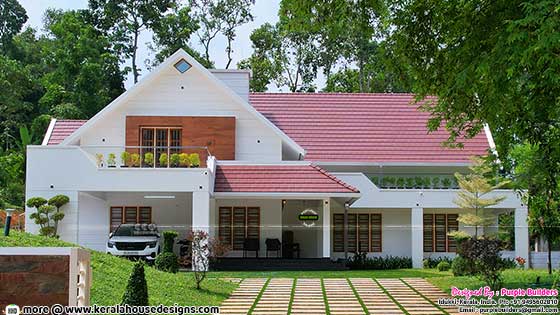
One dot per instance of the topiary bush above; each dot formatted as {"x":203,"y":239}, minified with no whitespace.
{"x":169,"y":241}
{"x":136,"y":292}
{"x":167,"y":261}
{"x":443,"y":266}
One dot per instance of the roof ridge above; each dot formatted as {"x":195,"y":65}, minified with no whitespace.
{"x":334,"y":178}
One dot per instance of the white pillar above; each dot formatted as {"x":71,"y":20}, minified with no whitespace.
{"x":200,"y":222}
{"x":326,"y":228}
{"x":522,"y":234}
{"x":201,"y":211}
{"x":416,"y":224}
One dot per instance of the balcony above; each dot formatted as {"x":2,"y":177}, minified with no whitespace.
{"x":70,"y":168}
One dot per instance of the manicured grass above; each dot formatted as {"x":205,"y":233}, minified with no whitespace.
{"x":513,"y":278}
{"x":396,"y":273}
{"x":110,"y":275}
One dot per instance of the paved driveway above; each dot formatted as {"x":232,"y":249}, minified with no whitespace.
{"x":308,"y":296}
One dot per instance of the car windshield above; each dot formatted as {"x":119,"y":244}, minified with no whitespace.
{"x":136,"y":230}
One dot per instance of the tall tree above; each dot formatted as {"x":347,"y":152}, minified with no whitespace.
{"x":282,"y":58}
{"x":12,"y":18}
{"x":85,"y":76}
{"x":341,"y":30}
{"x":529,"y":176}
{"x":220,"y":17}
{"x":173,"y":32}
{"x":492,"y":62}
{"x":125,"y":20}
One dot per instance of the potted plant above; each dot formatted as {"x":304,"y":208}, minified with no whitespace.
{"x":435,"y":182}
{"x":194,"y":159}
{"x":174,"y":160}
{"x":99,"y":159}
{"x":400,"y":182}
{"x":135,"y":160}
{"x":163,"y":160}
{"x":446,"y":183}
{"x":388,"y":182}
{"x":184,"y":160}
{"x":418,"y":182}
{"x":125,"y":159}
{"x":409,"y":182}
{"x":111,"y":160}
{"x":149,"y":159}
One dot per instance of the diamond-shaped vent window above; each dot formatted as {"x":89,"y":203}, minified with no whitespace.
{"x":182,"y":66}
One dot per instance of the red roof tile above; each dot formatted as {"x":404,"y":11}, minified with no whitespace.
{"x":62,"y":129}
{"x":363,"y":127}
{"x":278,"y":178}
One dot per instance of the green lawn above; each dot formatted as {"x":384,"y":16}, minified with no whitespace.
{"x":110,"y":275}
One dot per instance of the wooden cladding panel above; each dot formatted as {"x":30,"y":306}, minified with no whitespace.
{"x":216,"y":133}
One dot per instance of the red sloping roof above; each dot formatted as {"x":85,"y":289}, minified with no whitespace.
{"x":363,"y":127}
{"x":62,"y":129}
{"x":278,"y":178}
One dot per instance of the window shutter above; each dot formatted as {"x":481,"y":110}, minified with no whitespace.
{"x":428,"y":233}
{"x":145,"y":215}
{"x":116,"y":217}
{"x":363,"y":232}
{"x":253,"y":222}
{"x":238,"y":227}
{"x":441,"y":233}
{"x":452,"y":226}
{"x":338,"y":232}
{"x":130,"y":215}
{"x":224,"y":229}
{"x":352,"y":233}
{"x":376,"y":232}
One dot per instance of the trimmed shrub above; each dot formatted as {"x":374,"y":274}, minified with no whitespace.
{"x":433,"y":262}
{"x":167,"y":261}
{"x":360,"y":261}
{"x":168,"y":241}
{"x":443,"y":266}
{"x":136,"y":292}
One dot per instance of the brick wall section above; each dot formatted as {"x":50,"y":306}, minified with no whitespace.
{"x":33,"y":280}
{"x":216,"y":133}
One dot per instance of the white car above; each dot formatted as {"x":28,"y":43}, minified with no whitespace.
{"x":134,"y":240}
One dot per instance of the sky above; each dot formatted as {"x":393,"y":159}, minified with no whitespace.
{"x":263,"y":11}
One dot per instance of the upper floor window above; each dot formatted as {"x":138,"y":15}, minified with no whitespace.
{"x":160,"y":140}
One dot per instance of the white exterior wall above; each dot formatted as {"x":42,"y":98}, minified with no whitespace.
{"x":93,"y":222}
{"x":68,"y":227}
{"x":271,"y":219}
{"x":188,"y":94}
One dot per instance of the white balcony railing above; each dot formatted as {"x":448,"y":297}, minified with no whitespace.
{"x":149,"y":156}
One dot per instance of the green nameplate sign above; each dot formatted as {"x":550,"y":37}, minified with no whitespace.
{"x":308,"y":217}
